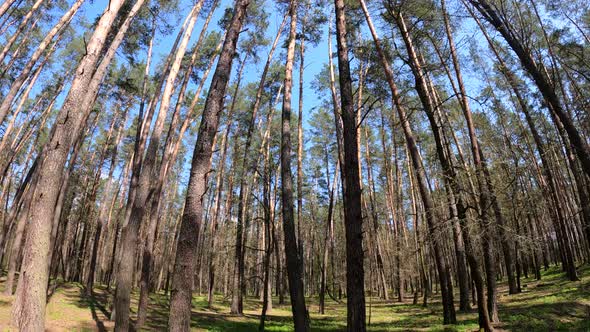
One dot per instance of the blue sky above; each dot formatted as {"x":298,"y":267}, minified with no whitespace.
{"x":316,"y":56}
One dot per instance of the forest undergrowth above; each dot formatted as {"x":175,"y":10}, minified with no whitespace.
{"x":550,"y":304}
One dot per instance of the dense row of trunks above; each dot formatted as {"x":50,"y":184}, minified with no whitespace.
{"x":402,"y":213}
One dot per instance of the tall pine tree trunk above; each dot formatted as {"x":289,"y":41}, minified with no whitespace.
{"x":130,"y":231}
{"x":19,"y":30}
{"x":58,"y":28}
{"x":434,"y":229}
{"x":190,"y":227}
{"x":28,"y":311}
{"x":539,"y":76}
{"x":353,"y":220}
{"x":294,"y":264}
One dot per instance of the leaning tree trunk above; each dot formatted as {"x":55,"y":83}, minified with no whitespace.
{"x":8,"y":147}
{"x":18,"y":200}
{"x":21,"y":27}
{"x":214,"y":223}
{"x":17,"y":240}
{"x":130,"y":232}
{"x":90,"y":204}
{"x":184,"y":266}
{"x":5,"y":6}
{"x":159,"y":175}
{"x":24,"y":74}
{"x":543,"y":82}
{"x":300,"y":138}
{"x":29,"y":306}
{"x":329,"y":235}
{"x":269,"y":235}
{"x":549,"y":185}
{"x":553,"y":194}
{"x":458,"y":212}
{"x":239,"y":281}
{"x":441,"y":265}
{"x":487,"y":198}
{"x":236,"y":307}
{"x":426,"y":96}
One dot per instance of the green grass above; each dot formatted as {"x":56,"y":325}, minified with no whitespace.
{"x":552,"y":304}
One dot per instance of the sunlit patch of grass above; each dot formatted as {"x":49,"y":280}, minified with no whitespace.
{"x":551,"y":304}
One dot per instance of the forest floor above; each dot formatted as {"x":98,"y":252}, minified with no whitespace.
{"x":551,"y":304}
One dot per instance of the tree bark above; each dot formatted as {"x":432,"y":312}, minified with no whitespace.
{"x":29,"y":306}
{"x":353,"y":219}
{"x":490,"y":14}
{"x":375,"y":226}
{"x":58,"y":28}
{"x":182,"y":279}
{"x":557,"y":213}
{"x":5,"y":6}
{"x":487,"y":199}
{"x":433,"y":226}
{"x":130,"y":231}
{"x":237,"y":307}
{"x":21,"y":27}
{"x":294,"y":264}
{"x":154,"y":200}
{"x":269,"y":235}
{"x":329,"y":235}
{"x":17,"y":240}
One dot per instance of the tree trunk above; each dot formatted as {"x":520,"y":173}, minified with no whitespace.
{"x":5,"y":6}
{"x":490,"y":13}
{"x":353,"y":220}
{"x":557,"y":213}
{"x":90,"y":203}
{"x":487,"y":198}
{"x":58,"y":28}
{"x":269,"y":236}
{"x":300,"y":138}
{"x":21,"y":27}
{"x":239,"y":264}
{"x":29,"y":306}
{"x":441,"y":265}
{"x":146,"y":170}
{"x":184,"y":267}
{"x":161,"y":169}
{"x":294,"y":264}
{"x":329,"y":234}
{"x":17,"y":240}
{"x":236,"y":307}
{"x":375,"y":225}
{"x":426,"y":96}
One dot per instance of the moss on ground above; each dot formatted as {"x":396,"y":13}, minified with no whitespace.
{"x":551,"y":304}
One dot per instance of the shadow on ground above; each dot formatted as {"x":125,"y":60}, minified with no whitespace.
{"x":552,"y":304}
